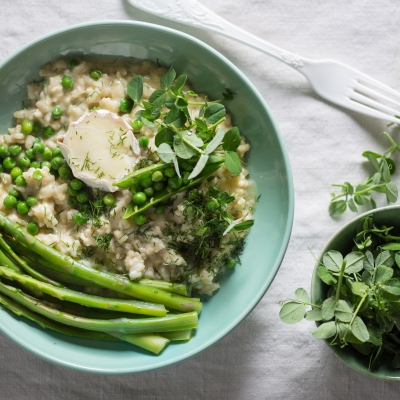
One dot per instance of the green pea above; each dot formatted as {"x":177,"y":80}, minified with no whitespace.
{"x":212,"y":204}
{"x":53,"y":172}
{"x":37,"y":175}
{"x":22,"y":208}
{"x":20,"y":181}
{"x":137,"y":125}
{"x":37,"y":127}
{"x":35,"y":164}
{"x":157,"y":176}
{"x":9,"y":163}
{"x":139,"y":198}
{"x":82,"y":197}
{"x":191,"y":210}
{"x":30,"y":154}
{"x":71,"y":191}
{"x":10,"y":201}
{"x":67,"y":82}
{"x":26,"y":127}
{"x":231,"y":263}
{"x":140,"y":219}
{"x":65,"y":172}
{"x":15,"y":149}
{"x":13,"y":192}
{"x":57,"y":112}
{"x":145,"y":181}
{"x":57,"y":152}
{"x":15,"y":172}
{"x":149,"y":192}
{"x":72,"y":202}
{"x":31,"y":201}
{"x":3,"y":150}
{"x":175,"y":182}
{"x":47,"y":154}
{"x":125,"y":105}
{"x":38,"y":147}
{"x":32,"y":228}
{"x":160,"y":209}
{"x":158,"y":186}
{"x":24,"y":162}
{"x":169,"y":172}
{"x":79,"y":219}
{"x":96,"y":74}
{"x":57,"y":162}
{"x":48,"y":131}
{"x":76,"y":184}
{"x":143,"y":141}
{"x":73,"y":63}
{"x":185,"y":177}
{"x":109,"y":199}
{"x":46,"y":164}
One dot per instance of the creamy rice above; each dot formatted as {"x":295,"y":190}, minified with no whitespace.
{"x":137,"y":252}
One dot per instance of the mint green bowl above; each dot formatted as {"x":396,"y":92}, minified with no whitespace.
{"x":269,"y":167}
{"x":343,"y":241}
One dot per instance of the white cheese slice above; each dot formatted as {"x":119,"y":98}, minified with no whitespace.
{"x":100,"y":148}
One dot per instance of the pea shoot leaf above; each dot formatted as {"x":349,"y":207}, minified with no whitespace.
{"x":182,"y":149}
{"x":397,"y":258}
{"x":165,"y":135}
{"x":243,"y":226}
{"x":166,"y":153}
{"x":325,"y":275}
{"x":359,"y":330}
{"x":384,"y":258}
{"x":333,"y":260}
{"x":328,"y":308}
{"x":343,"y":311}
{"x":292,"y":312}
{"x":392,"y":286}
{"x":158,"y":98}
{"x":214,"y":112}
{"x":372,"y":159}
{"x":368,"y":262}
{"x":233,"y":163}
{"x":175,"y":117}
{"x":392,"y":192}
{"x":384,"y":170}
{"x":176,"y":165}
{"x":168,"y":78}
{"x":359,"y":288}
{"x":231,"y":139}
{"x":391,"y":246}
{"x":325,"y":330}
{"x":314,"y":315}
{"x":215,"y":142}
{"x":302,"y":295}
{"x":337,"y":208}
{"x":179,"y":84}
{"x":135,"y":88}
{"x":199,"y":166}
{"x":192,"y":138}
{"x":181,"y":102}
{"x":354,"y":262}
{"x":383,"y":274}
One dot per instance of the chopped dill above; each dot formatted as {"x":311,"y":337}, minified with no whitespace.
{"x":103,"y":241}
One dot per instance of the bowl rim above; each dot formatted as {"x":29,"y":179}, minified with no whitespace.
{"x":337,"y":351}
{"x":290,"y":204}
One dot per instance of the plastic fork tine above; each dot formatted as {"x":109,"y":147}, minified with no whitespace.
{"x":366,"y":90}
{"x":361,"y":108}
{"x":373,"y":104}
{"x":368,"y":81}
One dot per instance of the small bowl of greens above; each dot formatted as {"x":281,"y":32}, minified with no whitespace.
{"x":355,"y":294}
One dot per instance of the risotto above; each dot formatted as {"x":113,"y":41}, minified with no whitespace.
{"x":190,"y":236}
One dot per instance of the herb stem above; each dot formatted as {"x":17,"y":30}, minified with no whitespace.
{"x":339,"y":286}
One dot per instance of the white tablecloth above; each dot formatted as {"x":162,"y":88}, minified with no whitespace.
{"x":262,"y":358}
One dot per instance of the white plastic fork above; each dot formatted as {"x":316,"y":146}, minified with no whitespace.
{"x":332,"y":80}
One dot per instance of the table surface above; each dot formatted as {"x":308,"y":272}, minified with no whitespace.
{"x":262,"y":358}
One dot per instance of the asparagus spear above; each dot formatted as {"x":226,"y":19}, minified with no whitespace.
{"x":25,"y":266}
{"x":132,"y":306}
{"x":178,"y":288}
{"x":179,"y":336}
{"x":113,"y":282}
{"x":149,"y":341}
{"x":121,"y":325}
{"x":4,"y":260}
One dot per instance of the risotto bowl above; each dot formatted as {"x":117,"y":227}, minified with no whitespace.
{"x":268,"y":165}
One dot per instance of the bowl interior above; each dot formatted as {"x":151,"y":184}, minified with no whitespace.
{"x":342,"y":241}
{"x":211,"y":73}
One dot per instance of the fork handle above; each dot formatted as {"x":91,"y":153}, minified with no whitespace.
{"x":192,"y":13}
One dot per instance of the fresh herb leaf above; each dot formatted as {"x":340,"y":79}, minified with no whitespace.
{"x":168,"y":78}
{"x":214,"y":112}
{"x":233,"y":163}
{"x":231,"y":139}
{"x":135,"y":88}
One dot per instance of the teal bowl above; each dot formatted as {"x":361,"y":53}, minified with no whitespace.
{"x":269,"y":167}
{"x":342,"y":241}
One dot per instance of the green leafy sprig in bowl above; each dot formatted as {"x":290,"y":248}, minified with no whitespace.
{"x":355,"y":294}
